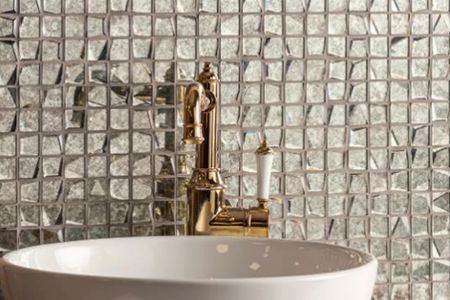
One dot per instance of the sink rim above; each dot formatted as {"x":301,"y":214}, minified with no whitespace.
{"x":368,"y":263}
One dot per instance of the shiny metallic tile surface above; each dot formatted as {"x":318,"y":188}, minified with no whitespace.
{"x":352,"y":93}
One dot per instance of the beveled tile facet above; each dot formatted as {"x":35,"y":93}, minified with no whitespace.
{"x":352,"y":94}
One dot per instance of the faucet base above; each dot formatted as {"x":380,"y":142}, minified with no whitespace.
{"x":205,"y":198}
{"x":208,"y":214}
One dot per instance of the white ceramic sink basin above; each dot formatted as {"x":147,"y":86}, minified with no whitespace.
{"x":188,"y":268}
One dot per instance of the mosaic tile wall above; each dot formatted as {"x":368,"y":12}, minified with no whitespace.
{"x":352,"y":93}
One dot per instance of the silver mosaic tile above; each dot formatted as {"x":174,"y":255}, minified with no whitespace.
{"x":353,"y":94}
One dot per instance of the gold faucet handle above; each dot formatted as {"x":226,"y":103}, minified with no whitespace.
{"x":264,"y":160}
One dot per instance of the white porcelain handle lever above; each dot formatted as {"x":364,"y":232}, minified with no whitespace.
{"x":264,"y":159}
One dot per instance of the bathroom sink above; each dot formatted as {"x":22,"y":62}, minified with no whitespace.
{"x":188,"y":268}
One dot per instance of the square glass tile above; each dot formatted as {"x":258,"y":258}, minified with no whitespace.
{"x":352,"y":94}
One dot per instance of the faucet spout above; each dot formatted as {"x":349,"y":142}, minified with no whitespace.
{"x":193,"y":127}
{"x":200,"y":118}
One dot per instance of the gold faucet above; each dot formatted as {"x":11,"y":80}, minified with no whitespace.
{"x":207,"y":212}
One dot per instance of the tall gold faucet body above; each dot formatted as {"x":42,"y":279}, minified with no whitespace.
{"x":207,"y":212}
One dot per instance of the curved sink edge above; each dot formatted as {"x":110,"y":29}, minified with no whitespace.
{"x":370,"y":263}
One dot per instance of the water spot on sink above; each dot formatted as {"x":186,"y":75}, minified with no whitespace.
{"x":266,"y":251}
{"x":254,"y":266}
{"x":222,"y":248}
{"x":297,"y":263}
